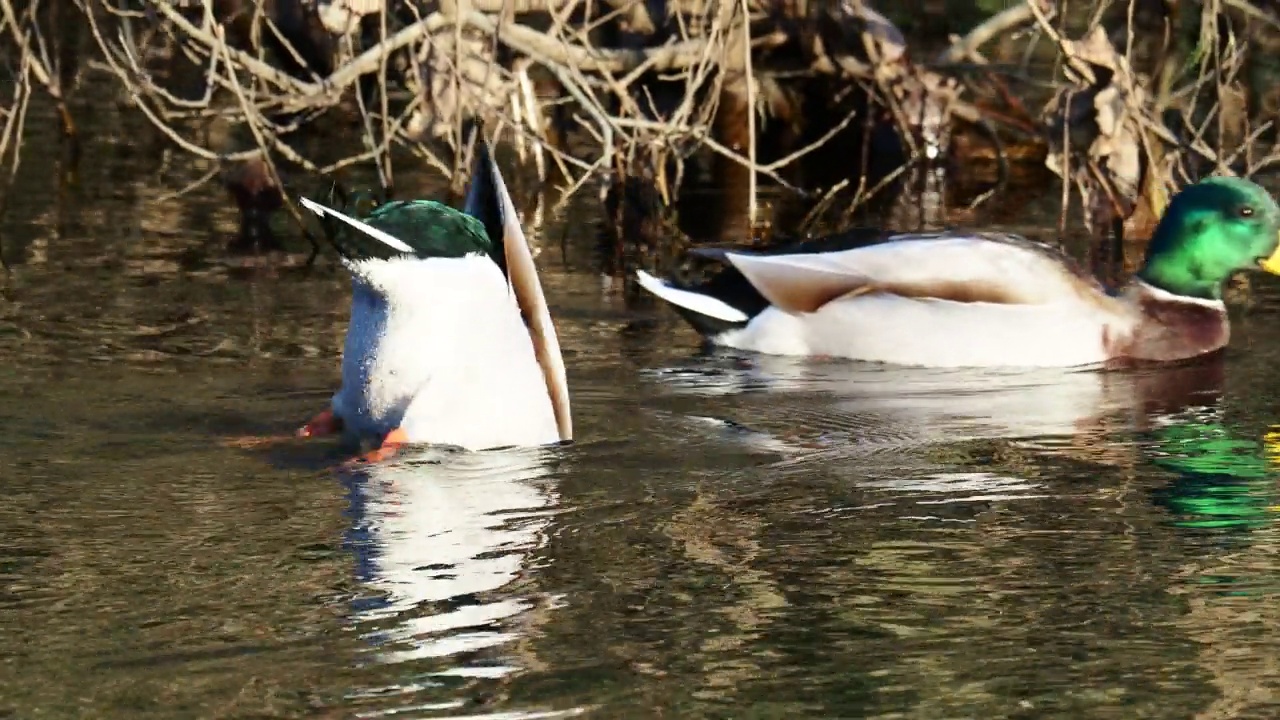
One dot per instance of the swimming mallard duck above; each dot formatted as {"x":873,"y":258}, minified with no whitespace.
{"x":955,"y":299}
{"x":450,"y":340}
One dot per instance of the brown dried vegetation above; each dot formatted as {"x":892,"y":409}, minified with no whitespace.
{"x":829,"y":101}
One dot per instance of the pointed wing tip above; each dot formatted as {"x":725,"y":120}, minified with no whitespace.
{"x":487,"y":197}
{"x":710,"y":253}
{"x":380,"y":235}
{"x":313,"y":206}
{"x":647,"y":281}
{"x":483,"y":147}
{"x":739,"y":261}
{"x":483,"y":159}
{"x":691,"y":300}
{"x":495,"y":173}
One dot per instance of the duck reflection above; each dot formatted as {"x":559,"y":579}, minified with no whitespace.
{"x":1222,"y":501}
{"x":925,"y":405}
{"x":941,"y":444}
{"x":438,"y":537}
{"x":1223,"y":482}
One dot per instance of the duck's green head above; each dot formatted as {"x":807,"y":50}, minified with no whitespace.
{"x":1210,"y":231}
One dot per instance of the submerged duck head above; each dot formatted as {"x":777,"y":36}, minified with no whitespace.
{"x":1210,"y":231}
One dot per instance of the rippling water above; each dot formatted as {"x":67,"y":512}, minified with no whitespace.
{"x":730,"y":536}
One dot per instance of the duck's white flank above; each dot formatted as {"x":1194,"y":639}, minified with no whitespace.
{"x":373,"y":232}
{"x":697,"y":302}
{"x":438,"y":348}
{"x":930,"y":332}
{"x":843,"y":304}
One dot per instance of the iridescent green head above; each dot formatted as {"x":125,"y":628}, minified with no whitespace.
{"x":1210,"y":231}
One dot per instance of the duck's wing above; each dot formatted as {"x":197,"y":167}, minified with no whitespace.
{"x":849,"y":239}
{"x":974,"y":268}
{"x":489,"y":202}
{"x":484,"y":201}
{"x":724,"y":298}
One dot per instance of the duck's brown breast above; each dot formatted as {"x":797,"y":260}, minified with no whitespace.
{"x":1166,"y":329}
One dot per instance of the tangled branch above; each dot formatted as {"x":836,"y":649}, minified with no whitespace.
{"x":642,"y":86}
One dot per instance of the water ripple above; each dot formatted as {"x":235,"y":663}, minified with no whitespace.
{"x":435,"y":535}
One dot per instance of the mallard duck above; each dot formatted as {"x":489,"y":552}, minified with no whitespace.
{"x":450,"y":340}
{"x":954,"y":299}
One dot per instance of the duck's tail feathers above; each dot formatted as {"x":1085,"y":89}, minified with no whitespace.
{"x":367,"y":244}
{"x":708,"y":315}
{"x":487,"y":200}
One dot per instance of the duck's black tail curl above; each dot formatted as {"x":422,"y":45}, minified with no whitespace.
{"x":727,"y":300}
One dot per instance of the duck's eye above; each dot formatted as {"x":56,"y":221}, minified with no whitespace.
{"x":1244,"y":211}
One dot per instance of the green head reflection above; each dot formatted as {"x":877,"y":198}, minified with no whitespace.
{"x":1223,"y":481}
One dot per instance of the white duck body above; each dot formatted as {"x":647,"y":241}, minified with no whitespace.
{"x":889,"y":329}
{"x":445,"y":345}
{"x":943,"y":300}
{"x":438,"y":348}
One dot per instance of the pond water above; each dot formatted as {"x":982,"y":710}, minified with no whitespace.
{"x":730,"y":536}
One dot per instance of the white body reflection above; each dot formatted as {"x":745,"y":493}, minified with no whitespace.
{"x":435,"y":534}
{"x":924,"y":405}
{"x":870,"y":423}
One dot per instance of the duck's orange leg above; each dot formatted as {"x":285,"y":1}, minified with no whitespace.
{"x":390,"y":446}
{"x":324,"y":423}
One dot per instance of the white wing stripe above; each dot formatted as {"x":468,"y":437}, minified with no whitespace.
{"x":369,"y":230}
{"x":697,"y":302}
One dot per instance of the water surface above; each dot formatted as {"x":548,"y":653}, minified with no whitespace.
{"x":730,"y":536}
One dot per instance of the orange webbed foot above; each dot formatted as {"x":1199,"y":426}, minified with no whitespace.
{"x":324,"y":423}
{"x":389,"y":448}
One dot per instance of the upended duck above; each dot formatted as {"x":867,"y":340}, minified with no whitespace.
{"x":450,"y":340}
{"x":954,"y":299}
